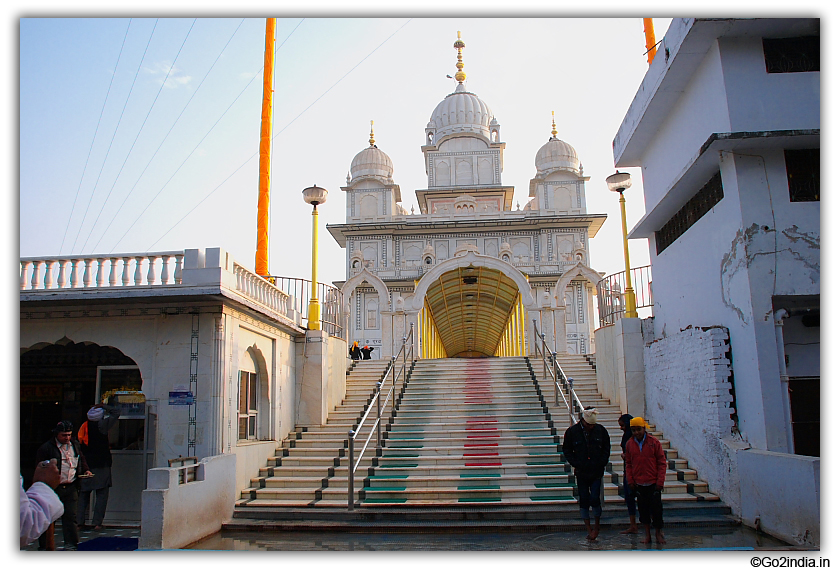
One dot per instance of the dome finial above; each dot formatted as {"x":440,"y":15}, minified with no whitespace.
{"x":371,"y":141}
{"x":459,"y":45}
{"x":553,"y":126}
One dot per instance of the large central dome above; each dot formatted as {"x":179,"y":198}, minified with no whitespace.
{"x":461,"y":112}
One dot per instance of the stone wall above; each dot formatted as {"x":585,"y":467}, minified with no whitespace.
{"x":688,"y":399}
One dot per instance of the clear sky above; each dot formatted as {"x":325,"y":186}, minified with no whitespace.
{"x":114,"y":160}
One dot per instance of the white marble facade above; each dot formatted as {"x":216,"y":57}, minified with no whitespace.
{"x":463,"y":156}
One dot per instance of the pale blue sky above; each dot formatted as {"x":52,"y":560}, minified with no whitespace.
{"x":586,"y":70}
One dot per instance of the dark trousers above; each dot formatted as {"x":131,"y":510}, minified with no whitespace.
{"x":629,"y":498}
{"x":69,"y":496}
{"x":650,"y":505}
{"x":589,"y":495}
{"x":99,"y":505}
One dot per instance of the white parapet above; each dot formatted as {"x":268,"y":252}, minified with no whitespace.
{"x":101,"y":270}
{"x":177,"y":513}
{"x":155,"y":273}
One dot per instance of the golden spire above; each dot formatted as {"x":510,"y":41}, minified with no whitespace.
{"x":371,"y":141}
{"x":553,"y":126}
{"x":459,"y":45}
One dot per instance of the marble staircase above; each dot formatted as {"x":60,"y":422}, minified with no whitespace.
{"x":470,"y":437}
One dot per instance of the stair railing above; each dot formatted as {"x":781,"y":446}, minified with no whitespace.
{"x":406,"y":354}
{"x":563,"y":386}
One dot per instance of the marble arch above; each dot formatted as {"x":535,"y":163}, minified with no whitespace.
{"x":416,"y":300}
{"x":578,"y":269}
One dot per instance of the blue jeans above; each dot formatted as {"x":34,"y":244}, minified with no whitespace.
{"x":589,"y":495}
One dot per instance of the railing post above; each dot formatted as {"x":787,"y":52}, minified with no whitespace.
{"x":378,"y":417}
{"x":394,"y":383}
{"x":351,"y":435}
{"x":572,"y":404}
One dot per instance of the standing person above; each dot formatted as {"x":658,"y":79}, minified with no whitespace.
{"x":629,"y":494}
{"x":97,"y":451}
{"x":71,"y":465}
{"x":366,"y":352}
{"x":355,"y":353}
{"x":39,"y":505}
{"x":645,"y":470}
{"x":586,"y":446}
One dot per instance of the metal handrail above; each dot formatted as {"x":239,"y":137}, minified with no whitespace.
{"x":407,"y":352}
{"x":330,"y":298}
{"x":558,"y":377}
{"x":610,"y":291}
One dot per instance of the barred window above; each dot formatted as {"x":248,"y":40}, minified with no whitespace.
{"x":792,"y":55}
{"x":803,"y":173}
{"x":696,"y":208}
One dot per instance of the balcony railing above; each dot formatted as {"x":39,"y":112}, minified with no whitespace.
{"x":330,"y":298}
{"x":98,"y":271}
{"x":287,"y":296}
{"x":611,"y":293}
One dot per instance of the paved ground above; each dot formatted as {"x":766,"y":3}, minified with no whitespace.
{"x":123,"y":531}
{"x":723,"y":538}
{"x":681,"y":538}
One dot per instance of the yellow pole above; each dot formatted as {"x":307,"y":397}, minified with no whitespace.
{"x":314,"y":323}
{"x":261,"y":263}
{"x":629,"y":294}
{"x":650,"y":39}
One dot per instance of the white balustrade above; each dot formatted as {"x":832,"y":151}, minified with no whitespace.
{"x":260,"y":290}
{"x":100,"y":271}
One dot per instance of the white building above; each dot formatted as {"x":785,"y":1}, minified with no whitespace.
{"x":726,"y":129}
{"x":400,"y":262}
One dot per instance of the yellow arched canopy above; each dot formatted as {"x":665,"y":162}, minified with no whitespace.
{"x":471,"y":307}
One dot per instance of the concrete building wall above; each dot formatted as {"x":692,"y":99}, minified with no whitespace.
{"x":761,"y":101}
{"x":700,"y":111}
{"x":792,"y":515}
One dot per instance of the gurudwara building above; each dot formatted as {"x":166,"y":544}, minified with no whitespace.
{"x":468,"y":264}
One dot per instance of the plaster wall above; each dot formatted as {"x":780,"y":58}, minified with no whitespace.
{"x":688,"y":399}
{"x":761,"y":101}
{"x":176,"y":515}
{"x":725,"y":270}
{"x":794,"y":515}
{"x":699,"y":112}
{"x":621,"y":367}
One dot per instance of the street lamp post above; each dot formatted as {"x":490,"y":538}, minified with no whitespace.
{"x":314,"y":195}
{"x":619,"y":182}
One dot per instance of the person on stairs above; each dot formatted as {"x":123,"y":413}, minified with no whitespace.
{"x":586,"y":446}
{"x":355,"y":353}
{"x":366,"y":350}
{"x":645,"y":470}
{"x":629,"y":494}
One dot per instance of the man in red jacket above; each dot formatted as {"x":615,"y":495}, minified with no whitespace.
{"x":645,"y":466}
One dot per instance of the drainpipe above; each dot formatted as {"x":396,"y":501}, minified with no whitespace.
{"x":780,"y":351}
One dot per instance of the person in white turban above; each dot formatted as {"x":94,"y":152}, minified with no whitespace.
{"x":586,"y":447}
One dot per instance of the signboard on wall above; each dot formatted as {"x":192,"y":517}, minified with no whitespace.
{"x":181,"y":398}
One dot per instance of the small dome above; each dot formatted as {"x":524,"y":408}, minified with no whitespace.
{"x":461,"y":111}
{"x":372,"y":162}
{"x":557,"y":155}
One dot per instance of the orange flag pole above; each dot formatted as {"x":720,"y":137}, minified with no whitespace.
{"x":261,"y":265}
{"x":650,"y":39}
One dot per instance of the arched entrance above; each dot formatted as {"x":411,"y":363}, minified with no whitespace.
{"x":61,"y":381}
{"x":373,"y":323}
{"x":472,"y":299}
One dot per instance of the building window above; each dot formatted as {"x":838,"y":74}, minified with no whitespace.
{"x":803,"y":173}
{"x":792,"y":55}
{"x":248,"y":404}
{"x":696,"y":208}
